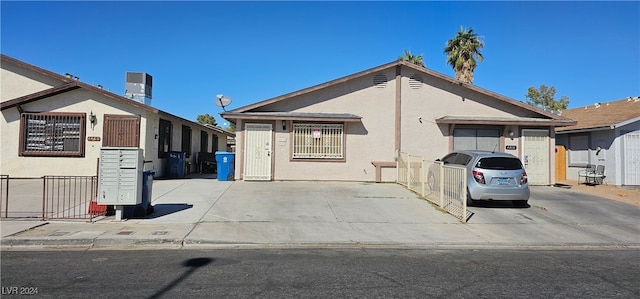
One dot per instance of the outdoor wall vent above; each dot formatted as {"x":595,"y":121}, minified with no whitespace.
{"x":415,"y":82}
{"x":380,"y":81}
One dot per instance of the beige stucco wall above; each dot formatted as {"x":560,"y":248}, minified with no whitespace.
{"x":373,"y":139}
{"x":16,"y":82}
{"x":80,"y":101}
{"x":366,"y":141}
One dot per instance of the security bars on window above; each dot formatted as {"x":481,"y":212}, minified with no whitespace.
{"x":318,"y":141}
{"x":52,"y":134}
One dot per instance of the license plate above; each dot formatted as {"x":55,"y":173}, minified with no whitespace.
{"x":503,"y":181}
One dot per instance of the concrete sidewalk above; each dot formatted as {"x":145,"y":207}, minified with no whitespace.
{"x":204,"y":212}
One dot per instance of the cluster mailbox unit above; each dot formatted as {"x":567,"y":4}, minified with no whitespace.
{"x":120,"y":177}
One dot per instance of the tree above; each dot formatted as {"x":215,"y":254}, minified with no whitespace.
{"x":232,"y":127}
{"x":544,"y":97}
{"x":462,"y":52}
{"x":206,"y":119}
{"x":417,"y":60}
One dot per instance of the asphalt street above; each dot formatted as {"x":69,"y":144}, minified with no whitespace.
{"x":324,"y":273}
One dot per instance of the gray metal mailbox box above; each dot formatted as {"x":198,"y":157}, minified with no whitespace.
{"x":120,"y":176}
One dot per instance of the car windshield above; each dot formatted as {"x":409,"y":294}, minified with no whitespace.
{"x":499,"y":163}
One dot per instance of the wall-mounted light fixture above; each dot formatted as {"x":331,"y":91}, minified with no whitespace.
{"x":511,"y":134}
{"x":93,"y":119}
{"x":284,"y":125}
{"x":156,"y":136}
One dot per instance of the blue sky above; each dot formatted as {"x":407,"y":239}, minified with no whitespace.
{"x":252,"y":51}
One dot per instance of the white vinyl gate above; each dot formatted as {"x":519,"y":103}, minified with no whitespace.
{"x":257,"y":148}
{"x":631,"y":169}
{"x":535,"y":156}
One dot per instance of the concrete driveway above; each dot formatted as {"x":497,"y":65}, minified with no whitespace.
{"x":206,"y":212}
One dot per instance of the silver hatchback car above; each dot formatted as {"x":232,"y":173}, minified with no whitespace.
{"x":492,"y":176}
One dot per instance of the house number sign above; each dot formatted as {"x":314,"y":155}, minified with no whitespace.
{"x":93,"y":138}
{"x":511,"y":147}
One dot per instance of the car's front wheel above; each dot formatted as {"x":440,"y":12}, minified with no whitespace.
{"x":520,"y":203}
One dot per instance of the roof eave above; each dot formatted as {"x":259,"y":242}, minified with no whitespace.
{"x":584,"y":130}
{"x":39,"y":95}
{"x":626,"y":122}
{"x":36,"y":69}
{"x":542,"y":122}
{"x":244,"y":116}
{"x":219,"y":130}
{"x":409,"y":65}
{"x":315,"y":87}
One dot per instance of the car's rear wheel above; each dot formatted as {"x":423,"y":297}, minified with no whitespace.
{"x":520,"y":203}
{"x":470,"y":200}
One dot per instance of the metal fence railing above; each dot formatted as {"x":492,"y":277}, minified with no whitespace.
{"x":443,"y":185}
{"x":50,"y":197}
{"x":4,"y":194}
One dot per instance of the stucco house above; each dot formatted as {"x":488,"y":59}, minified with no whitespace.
{"x":605,"y":134}
{"x":56,"y":125}
{"x":353,"y":128}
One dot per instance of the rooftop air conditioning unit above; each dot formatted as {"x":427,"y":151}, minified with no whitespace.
{"x":138,"y":87}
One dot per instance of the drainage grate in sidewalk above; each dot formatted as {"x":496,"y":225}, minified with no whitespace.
{"x":160,"y":233}
{"x":127,"y":232}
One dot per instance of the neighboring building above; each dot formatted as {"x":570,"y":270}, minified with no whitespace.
{"x":352,"y":128}
{"x":605,"y":134}
{"x":55,"y":125}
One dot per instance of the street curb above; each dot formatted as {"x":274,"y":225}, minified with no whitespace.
{"x":162,"y":244}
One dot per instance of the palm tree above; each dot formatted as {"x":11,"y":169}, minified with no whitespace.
{"x":417,"y":60}
{"x":462,"y":52}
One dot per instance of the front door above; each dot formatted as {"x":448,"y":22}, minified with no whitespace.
{"x":535,"y":156}
{"x":257,"y":159}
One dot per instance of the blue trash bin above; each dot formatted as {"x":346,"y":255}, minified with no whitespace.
{"x":144,"y":208}
{"x":225,"y":162}
{"x":175,"y":165}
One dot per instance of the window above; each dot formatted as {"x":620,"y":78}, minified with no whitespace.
{"x":499,"y":163}
{"x":186,"y":140}
{"x":578,"y":150}
{"x":476,"y":139}
{"x":52,"y":134}
{"x":462,"y":159}
{"x":215,"y":145}
{"x":121,"y":130}
{"x":164,"y":138}
{"x":204,"y":142}
{"x":318,"y":141}
{"x":450,"y":158}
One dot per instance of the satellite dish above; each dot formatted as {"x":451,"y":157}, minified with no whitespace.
{"x":222,"y":101}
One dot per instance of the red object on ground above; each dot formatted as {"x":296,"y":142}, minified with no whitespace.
{"x":96,"y":209}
